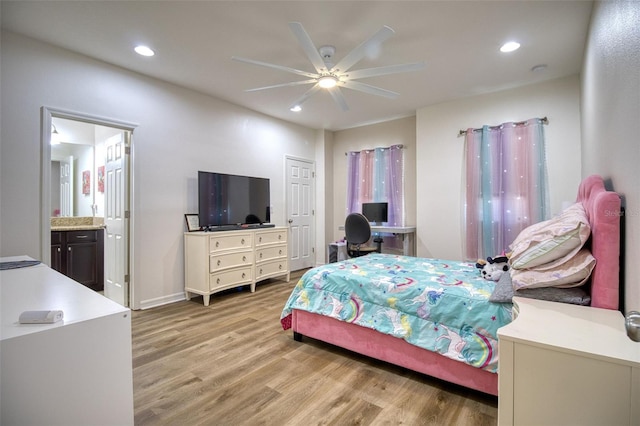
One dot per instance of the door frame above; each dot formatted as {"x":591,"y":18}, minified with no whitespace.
{"x":46,"y":113}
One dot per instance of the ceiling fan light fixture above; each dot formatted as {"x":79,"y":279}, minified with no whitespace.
{"x":327,"y":81}
{"x":295,"y":108}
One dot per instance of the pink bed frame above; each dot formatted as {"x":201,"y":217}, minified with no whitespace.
{"x":603,"y":210}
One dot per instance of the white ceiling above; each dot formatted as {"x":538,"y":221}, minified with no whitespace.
{"x":195,"y":40}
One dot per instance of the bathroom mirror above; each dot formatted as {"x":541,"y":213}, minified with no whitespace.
{"x":77,"y":169}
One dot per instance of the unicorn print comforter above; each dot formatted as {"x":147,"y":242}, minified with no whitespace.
{"x":441,"y":306}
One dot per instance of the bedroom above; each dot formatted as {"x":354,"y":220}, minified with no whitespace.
{"x":168,"y":131}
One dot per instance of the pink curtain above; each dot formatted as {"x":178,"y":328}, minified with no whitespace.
{"x":506,"y":185}
{"x":377,"y":175}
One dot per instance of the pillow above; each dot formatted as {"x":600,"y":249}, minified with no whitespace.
{"x":573,"y":295}
{"x":503,"y":293}
{"x":572,"y":273}
{"x":547,"y":244}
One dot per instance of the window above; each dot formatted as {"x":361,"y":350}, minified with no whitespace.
{"x":506,"y":185}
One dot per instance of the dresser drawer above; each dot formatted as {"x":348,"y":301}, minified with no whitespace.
{"x":267,"y":269}
{"x":223,"y":261}
{"x":230,"y":241}
{"x":271,"y":237}
{"x":270,"y":253}
{"x":88,"y":236}
{"x":230,"y":278}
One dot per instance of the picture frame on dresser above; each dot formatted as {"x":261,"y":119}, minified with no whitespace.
{"x":193,"y":222}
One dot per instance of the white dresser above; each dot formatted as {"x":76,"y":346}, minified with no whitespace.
{"x":216,"y":261}
{"x":74,"y":372}
{"x":564,"y":364}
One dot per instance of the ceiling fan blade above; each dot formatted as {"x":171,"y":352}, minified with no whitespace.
{"x":391,"y":69}
{"x":306,"y":96}
{"x":337,"y":96}
{"x":367,"y":88}
{"x":365,"y":47}
{"x":277,"y":67}
{"x":308,"y":46}
{"x":293,"y":83}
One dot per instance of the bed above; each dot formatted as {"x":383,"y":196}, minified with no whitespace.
{"x":434,"y":316}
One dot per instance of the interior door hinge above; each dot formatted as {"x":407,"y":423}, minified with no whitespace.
{"x":126,"y":278}
{"x":313,"y":174}
{"x":127,"y":150}
{"x":313,"y":249}
{"x":126,"y":214}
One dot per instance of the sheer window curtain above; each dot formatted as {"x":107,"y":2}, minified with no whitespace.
{"x":506,"y":185}
{"x":377,"y":175}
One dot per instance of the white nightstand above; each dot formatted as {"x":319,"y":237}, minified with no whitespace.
{"x":567,"y":364}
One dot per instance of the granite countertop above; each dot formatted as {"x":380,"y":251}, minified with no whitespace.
{"x":76,"y":223}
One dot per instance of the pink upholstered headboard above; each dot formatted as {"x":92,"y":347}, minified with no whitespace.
{"x":603,"y":211}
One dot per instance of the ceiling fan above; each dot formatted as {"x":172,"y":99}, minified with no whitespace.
{"x":334,"y":77}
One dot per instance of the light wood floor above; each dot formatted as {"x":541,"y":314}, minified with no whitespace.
{"x":232,"y":364}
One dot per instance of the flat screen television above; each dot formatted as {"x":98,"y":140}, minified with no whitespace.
{"x":376,"y":212}
{"x":225,"y":199}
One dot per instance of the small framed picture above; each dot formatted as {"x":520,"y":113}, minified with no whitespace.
{"x":193,"y":224}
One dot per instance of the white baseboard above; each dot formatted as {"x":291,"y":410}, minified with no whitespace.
{"x":164,"y":300}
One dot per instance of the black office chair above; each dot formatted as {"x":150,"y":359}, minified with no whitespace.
{"x":358,"y":232}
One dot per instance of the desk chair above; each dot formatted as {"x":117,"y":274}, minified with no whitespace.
{"x":358,"y":232}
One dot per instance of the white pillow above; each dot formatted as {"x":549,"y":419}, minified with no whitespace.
{"x":550,"y":243}
{"x":572,"y":273}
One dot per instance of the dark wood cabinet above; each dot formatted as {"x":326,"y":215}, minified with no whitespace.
{"x":80,"y":256}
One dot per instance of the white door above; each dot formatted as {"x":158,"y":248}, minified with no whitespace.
{"x":116,"y":196}
{"x":300,"y":212}
{"x":66,"y":187}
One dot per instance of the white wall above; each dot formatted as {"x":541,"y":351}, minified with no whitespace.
{"x":439,"y":154}
{"x":610,"y":115}
{"x":178,"y":132}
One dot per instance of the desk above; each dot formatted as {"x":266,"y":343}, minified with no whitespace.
{"x":406,"y":233}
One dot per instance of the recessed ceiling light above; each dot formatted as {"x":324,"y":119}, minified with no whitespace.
{"x":144,"y":51}
{"x":295,"y":108}
{"x":510,"y":46}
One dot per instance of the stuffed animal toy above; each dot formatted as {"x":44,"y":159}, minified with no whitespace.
{"x":493,"y":268}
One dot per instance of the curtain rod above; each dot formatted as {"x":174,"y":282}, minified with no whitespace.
{"x":543,"y":120}
{"x":383,"y":147}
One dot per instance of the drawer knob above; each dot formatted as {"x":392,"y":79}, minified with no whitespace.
{"x":244,"y":258}
{"x":280,"y":252}
{"x":243,"y":275}
{"x":260,"y":271}
{"x":218,"y":281}
{"x":260,"y":255}
{"x":217,"y":243}
{"x":279,"y":236}
{"x":242,"y":241}
{"x":260,"y":239}
{"x":219,"y":262}
{"x":280,"y":266}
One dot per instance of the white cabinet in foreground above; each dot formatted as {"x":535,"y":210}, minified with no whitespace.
{"x":563,"y":364}
{"x":74,"y":372}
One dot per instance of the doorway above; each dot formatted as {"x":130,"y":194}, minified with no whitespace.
{"x":100,"y":148}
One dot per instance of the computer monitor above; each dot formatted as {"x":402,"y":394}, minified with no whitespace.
{"x":376,"y":212}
